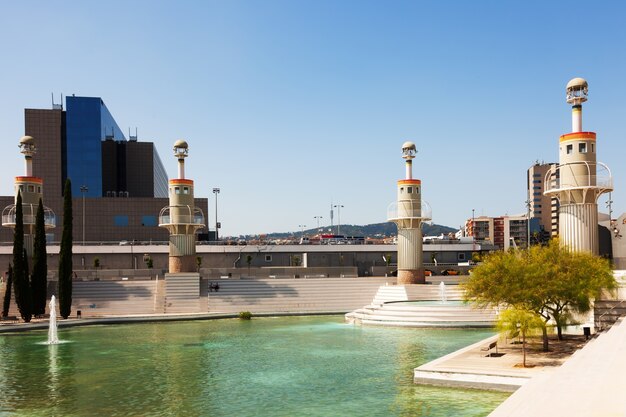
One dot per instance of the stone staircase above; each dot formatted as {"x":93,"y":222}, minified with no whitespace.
{"x":311,"y":295}
{"x":390,"y":308}
{"x":100,"y":298}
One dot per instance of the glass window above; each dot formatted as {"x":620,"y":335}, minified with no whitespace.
{"x":39,"y":189}
{"x":121,"y":221}
{"x":570,"y":149}
{"x":461,"y":256}
{"x":582,"y":147}
{"x":31,"y":188}
{"x":592,"y":148}
{"x":401,"y":190}
{"x":409,"y":190}
{"x":148,"y":220}
{"x":21,"y":188}
{"x":185,"y":190}
{"x":177,"y":190}
{"x":268,"y":258}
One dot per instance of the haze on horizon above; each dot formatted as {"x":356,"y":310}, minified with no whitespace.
{"x":291,"y":105}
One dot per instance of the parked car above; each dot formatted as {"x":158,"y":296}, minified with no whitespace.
{"x":428,"y":273}
{"x":447,"y":272}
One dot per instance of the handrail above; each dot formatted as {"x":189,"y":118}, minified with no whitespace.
{"x":607,"y":312}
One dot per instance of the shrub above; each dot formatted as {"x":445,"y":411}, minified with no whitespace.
{"x":245,"y":315}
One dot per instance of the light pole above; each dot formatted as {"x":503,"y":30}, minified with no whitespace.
{"x":528,"y":223}
{"x":302,"y":226}
{"x":318,"y":221}
{"x":338,"y":207}
{"x":83,"y":191}
{"x":216,"y":191}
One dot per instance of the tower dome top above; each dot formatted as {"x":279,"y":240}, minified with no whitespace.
{"x":180,"y":143}
{"x":577,"y":83}
{"x":576,"y":91}
{"x":408,"y":150}
{"x":27,"y":140}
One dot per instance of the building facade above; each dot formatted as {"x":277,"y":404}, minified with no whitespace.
{"x":119,"y":185}
{"x":544,"y":208}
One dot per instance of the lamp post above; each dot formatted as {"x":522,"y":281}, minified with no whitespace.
{"x":83,"y":190}
{"x":318,"y":221}
{"x":302,"y":226}
{"x":338,"y":207}
{"x":528,"y":223}
{"x":216,"y":191}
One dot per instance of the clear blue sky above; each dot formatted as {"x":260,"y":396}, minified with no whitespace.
{"x":288,"y":105}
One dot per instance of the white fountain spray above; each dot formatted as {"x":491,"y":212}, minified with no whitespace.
{"x":53,"y":339}
{"x":442,"y":292}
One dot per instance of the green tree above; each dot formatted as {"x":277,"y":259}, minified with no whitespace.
{"x":198,"y":262}
{"x":518,"y":322}
{"x":550,"y":281}
{"x":39,"y":278}
{"x":7,"y":293}
{"x":65,"y":254}
{"x":21,"y":284}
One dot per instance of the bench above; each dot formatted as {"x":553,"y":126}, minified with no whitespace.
{"x":492,"y":345}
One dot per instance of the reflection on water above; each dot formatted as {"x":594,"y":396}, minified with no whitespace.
{"x":314,"y":366}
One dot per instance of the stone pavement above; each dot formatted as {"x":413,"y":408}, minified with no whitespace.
{"x":474,"y":367}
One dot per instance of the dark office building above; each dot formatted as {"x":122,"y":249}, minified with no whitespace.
{"x":123,"y":181}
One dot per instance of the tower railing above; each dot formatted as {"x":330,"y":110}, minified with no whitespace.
{"x":409,"y":209}
{"x":578,"y":175}
{"x":29,"y":216}
{"x":182,"y":215}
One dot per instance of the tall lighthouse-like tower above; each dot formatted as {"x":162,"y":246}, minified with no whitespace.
{"x":408,"y":212}
{"x":578,"y":180}
{"x":181,"y":217}
{"x":31,"y":190}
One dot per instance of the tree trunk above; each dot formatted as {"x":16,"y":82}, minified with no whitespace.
{"x":559,"y":331}
{"x":544,"y":336}
{"x":524,"y":349}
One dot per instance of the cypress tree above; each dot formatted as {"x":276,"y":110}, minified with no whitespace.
{"x":7,"y":294}
{"x":21,"y":284}
{"x":39,"y":278}
{"x":65,"y":254}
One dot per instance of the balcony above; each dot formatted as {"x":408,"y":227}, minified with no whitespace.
{"x":181,"y":215}
{"x":29,"y":216}
{"x":409,"y":210}
{"x":578,"y":176}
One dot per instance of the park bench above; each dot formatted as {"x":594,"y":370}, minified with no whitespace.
{"x":489,"y":347}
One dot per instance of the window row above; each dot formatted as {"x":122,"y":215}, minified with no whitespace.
{"x":582,"y":148}
{"x":29,"y":189}
{"x":409,"y":190}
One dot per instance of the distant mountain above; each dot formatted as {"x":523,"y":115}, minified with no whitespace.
{"x":368,"y":230}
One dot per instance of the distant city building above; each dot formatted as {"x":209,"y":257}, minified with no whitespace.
{"x":119,"y":184}
{"x":503,"y":231}
{"x":542,"y":207}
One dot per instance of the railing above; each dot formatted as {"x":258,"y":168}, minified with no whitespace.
{"x":29,"y":216}
{"x":566,"y":177}
{"x":409,"y":209}
{"x":185,"y":215}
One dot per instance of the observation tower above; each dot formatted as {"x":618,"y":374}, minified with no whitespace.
{"x":408,"y":212}
{"x":31,"y":190}
{"x":181,"y":218}
{"x":578,"y":180}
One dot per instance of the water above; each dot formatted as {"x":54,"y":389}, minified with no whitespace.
{"x":53,"y":338}
{"x":442,"y":292}
{"x":295,"y":366}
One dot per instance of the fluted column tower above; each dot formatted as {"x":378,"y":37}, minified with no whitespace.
{"x":31,"y":190}
{"x":408,"y":213}
{"x":579,"y":179}
{"x":181,"y":218}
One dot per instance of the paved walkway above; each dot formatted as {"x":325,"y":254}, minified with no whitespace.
{"x":473,"y":367}
{"x":591,"y":383}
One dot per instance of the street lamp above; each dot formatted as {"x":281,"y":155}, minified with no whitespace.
{"x":216,"y":191}
{"x":318,"y":221}
{"x":302,"y":226}
{"x":528,"y":222}
{"x":83,"y":191}
{"x":338,"y":207}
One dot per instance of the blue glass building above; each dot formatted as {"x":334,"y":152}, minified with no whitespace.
{"x":88,"y":123}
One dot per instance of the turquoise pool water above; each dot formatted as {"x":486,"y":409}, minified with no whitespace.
{"x":293,"y":366}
